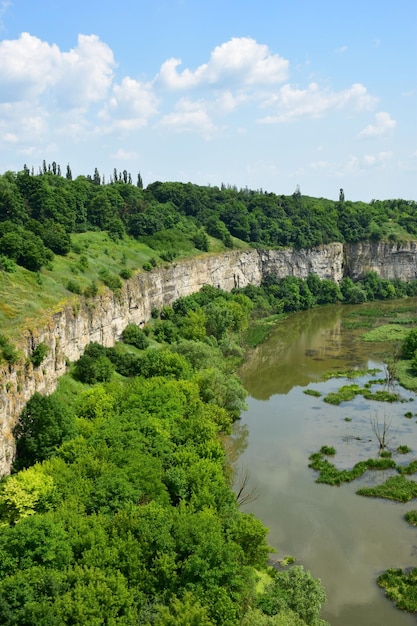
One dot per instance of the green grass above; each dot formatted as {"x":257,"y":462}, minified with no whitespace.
{"x":353,"y":373}
{"x":386,"y":332}
{"x":396,"y":488}
{"x":330,"y":475}
{"x":404,"y":376}
{"x":28,"y":298}
{"x":312,"y":392}
{"x":344,"y":394}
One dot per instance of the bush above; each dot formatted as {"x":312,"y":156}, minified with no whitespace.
{"x":8,"y":352}
{"x":111,"y":281}
{"x":92,"y":290}
{"x":74,"y":287}
{"x":134,"y":336}
{"x":125,"y":273}
{"x":39,"y":354}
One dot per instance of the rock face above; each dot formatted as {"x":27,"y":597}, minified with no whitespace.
{"x":103,"y":319}
{"x":388,"y":260}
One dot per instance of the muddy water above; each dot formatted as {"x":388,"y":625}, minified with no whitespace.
{"x":344,"y":539}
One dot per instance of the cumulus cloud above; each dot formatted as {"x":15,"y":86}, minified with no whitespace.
{"x":31,"y":68}
{"x":189,"y":116}
{"x":384,"y":125}
{"x":241,"y":61}
{"x":131,"y":104}
{"x":314,"y":102}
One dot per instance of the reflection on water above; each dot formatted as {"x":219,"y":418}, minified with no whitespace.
{"x":344,"y":539}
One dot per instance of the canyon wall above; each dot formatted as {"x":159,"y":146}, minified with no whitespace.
{"x":388,"y":260}
{"x":103,"y":319}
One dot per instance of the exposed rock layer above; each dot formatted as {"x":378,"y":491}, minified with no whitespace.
{"x":102,"y":319}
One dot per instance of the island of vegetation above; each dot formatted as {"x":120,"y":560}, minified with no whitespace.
{"x":120,"y":508}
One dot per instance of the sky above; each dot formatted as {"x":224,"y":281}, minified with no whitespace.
{"x":263,"y":94}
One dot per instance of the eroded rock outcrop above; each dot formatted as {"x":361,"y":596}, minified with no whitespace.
{"x":67,"y":332}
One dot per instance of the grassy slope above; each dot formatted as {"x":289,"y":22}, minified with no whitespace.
{"x":26,"y":296}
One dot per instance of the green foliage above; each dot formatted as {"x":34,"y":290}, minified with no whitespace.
{"x":134,"y":336}
{"x":126,"y":273}
{"x":21,"y":495}
{"x":185,"y":612}
{"x":330,"y":475}
{"x":163,"y":363}
{"x":7,"y":351}
{"x":297,"y":590}
{"x":328,"y":450}
{"x":43,"y":425}
{"x":74,"y":287}
{"x":39,"y":354}
{"x":411,"y":517}
{"x":312,"y":392}
{"x":94,"y":366}
{"x":112,"y":281}
{"x":396,"y":488}
{"x":401,"y":587}
{"x":403,"y":449}
{"x":409,"y":345}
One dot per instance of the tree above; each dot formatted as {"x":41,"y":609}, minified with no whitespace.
{"x":68,"y":174}
{"x":297,"y":590}
{"x":44,"y":424}
{"x":341,"y":195}
{"x":134,"y":336}
{"x":93,"y":370}
{"x":409,"y":346}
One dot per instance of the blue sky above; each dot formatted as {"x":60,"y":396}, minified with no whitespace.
{"x":265,"y":94}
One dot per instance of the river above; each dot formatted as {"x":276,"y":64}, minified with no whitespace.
{"x":344,"y":539}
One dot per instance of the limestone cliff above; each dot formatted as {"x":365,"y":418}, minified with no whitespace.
{"x":388,"y":260}
{"x":102,"y":319}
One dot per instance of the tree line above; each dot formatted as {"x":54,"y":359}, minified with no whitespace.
{"x":39,"y":212}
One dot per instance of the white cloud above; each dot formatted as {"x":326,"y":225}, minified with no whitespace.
{"x":341,"y":50}
{"x":358,"y":165}
{"x":240,"y":61}
{"x":85,"y":73}
{"x":131,"y":105}
{"x":384,"y":124}
{"x":124,"y":155}
{"x":314,"y":102}
{"x":189,"y":117}
{"x":31,"y":68}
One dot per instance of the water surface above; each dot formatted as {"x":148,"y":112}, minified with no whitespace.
{"x":344,"y":539}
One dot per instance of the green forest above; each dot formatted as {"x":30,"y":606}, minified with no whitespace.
{"x":39,"y":213}
{"x":123,"y":506}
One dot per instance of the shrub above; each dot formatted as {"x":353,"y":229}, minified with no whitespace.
{"x":39,"y":354}
{"x":125,"y":273}
{"x":74,"y":287}
{"x":8,"y":352}
{"x":134,"y":336}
